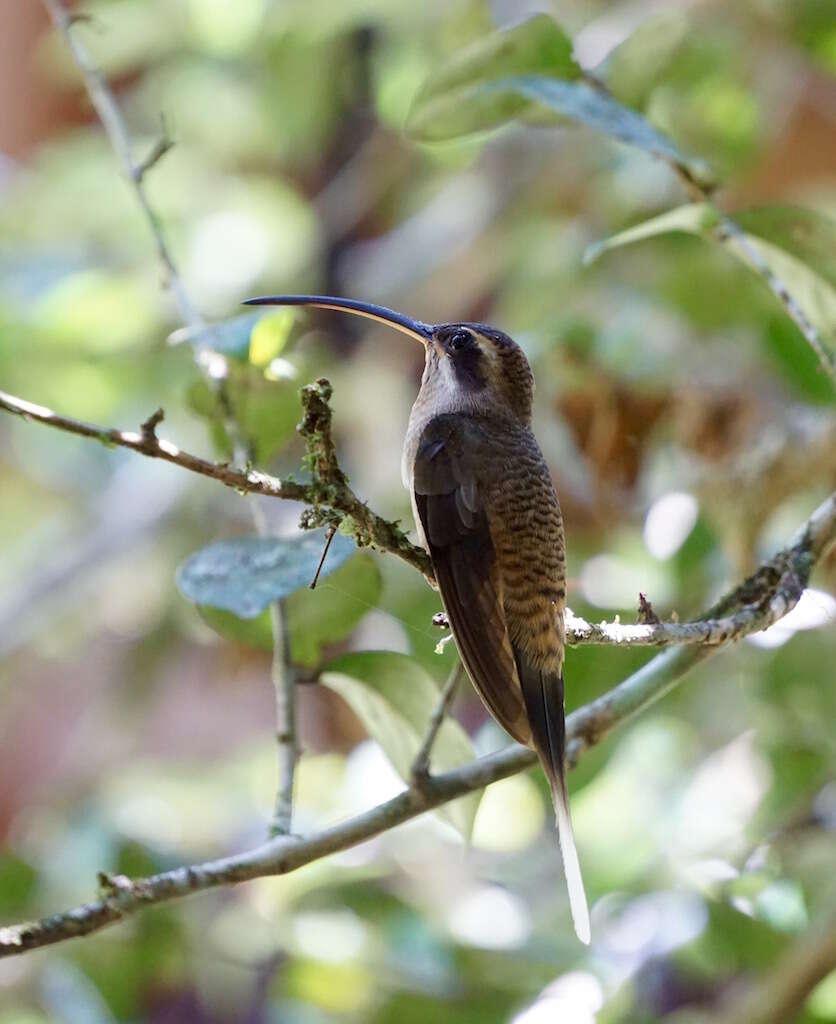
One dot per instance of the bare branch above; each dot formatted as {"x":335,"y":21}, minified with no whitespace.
{"x":585,"y":727}
{"x":146,"y":443}
{"x":284,"y":682}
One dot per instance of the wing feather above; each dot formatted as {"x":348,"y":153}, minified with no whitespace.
{"x":456,"y":529}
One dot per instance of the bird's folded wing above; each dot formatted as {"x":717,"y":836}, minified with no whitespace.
{"x":449,"y":505}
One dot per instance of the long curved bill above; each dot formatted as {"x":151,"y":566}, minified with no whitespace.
{"x":415,"y":328}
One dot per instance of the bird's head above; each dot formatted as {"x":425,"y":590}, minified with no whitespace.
{"x":481,"y":365}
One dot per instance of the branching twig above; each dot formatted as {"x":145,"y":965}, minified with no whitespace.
{"x":585,"y":727}
{"x":329,"y":495}
{"x":421,"y":764}
{"x":108,"y":111}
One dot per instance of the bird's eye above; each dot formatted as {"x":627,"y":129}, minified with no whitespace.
{"x":459,"y":340}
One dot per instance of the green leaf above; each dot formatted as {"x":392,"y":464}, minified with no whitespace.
{"x":695,"y":218}
{"x":395,"y":697}
{"x":18,"y":881}
{"x":269,"y":336}
{"x":525,"y":71}
{"x":256,"y":633}
{"x":584,"y":104}
{"x":245,"y":574}
{"x":797,"y":245}
{"x":635,"y":66}
{"x":314,"y":618}
{"x":331,"y":611}
{"x":454,"y":100}
{"x":266,"y":412}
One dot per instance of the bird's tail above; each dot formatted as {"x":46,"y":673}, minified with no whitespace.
{"x":571,"y":865}
{"x":543,"y":695}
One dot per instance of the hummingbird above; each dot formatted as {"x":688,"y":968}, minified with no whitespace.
{"x":486,"y":512}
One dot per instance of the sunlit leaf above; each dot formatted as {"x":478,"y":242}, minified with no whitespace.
{"x":797,"y":245}
{"x":455,"y":99}
{"x":269,"y":336}
{"x":245,"y":574}
{"x":394,"y":698}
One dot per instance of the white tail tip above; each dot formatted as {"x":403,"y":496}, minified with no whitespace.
{"x":572,"y":869}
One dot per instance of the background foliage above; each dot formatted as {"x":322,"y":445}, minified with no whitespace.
{"x":687,"y":424}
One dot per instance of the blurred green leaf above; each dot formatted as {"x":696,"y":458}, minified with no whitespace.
{"x":529,"y":69}
{"x":798,"y":362}
{"x":394,"y":698}
{"x":454,"y":100}
{"x":331,"y":611}
{"x":584,"y":104}
{"x":256,"y":633}
{"x":634,"y":66}
{"x":797,"y":245}
{"x":266,"y":412}
{"x":245,"y":574}
{"x":269,"y":336}
{"x":17,"y":883}
{"x":805,"y":234}
{"x":695,"y":218}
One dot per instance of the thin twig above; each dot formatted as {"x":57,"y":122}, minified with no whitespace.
{"x":283,"y":676}
{"x":421,"y":765}
{"x":107,"y":109}
{"x":584,"y":728}
{"x":329,"y":536}
{"x":162,"y":146}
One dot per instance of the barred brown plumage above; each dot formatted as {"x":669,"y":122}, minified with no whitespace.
{"x":488,"y":515}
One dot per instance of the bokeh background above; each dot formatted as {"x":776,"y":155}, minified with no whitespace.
{"x":686,"y":423}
